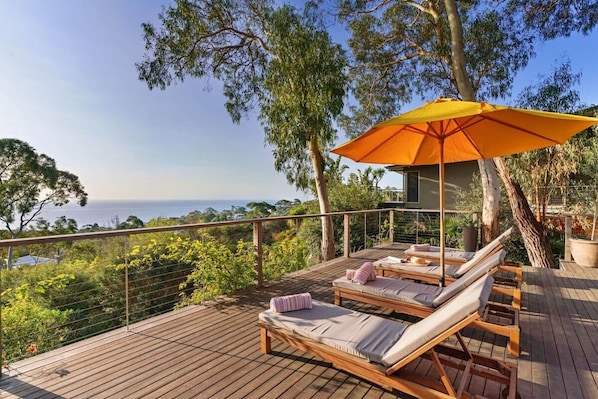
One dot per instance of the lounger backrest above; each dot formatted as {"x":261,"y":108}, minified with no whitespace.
{"x":470,"y":277}
{"x":416,"y":335}
{"x":484,"y":252}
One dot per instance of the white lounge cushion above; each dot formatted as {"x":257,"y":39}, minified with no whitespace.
{"x":434,"y":252}
{"x":472,"y":275}
{"x":422,"y":294}
{"x":432,"y":269}
{"x":356,"y":333}
{"x":472,"y":299}
{"x":395,"y":289}
{"x":449,"y":253}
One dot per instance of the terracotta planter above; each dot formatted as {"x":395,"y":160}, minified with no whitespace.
{"x":470,"y":238}
{"x":585,"y":252}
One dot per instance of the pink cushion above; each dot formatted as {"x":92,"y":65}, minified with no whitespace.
{"x":289,"y":303}
{"x":365,"y":273}
{"x":350,"y":273}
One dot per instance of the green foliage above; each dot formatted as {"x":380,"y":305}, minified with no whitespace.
{"x":259,"y":210}
{"x":286,"y":254}
{"x":304,"y":92}
{"x":29,"y":182}
{"x":559,"y":18}
{"x":275,"y":59}
{"x":132,"y":222}
{"x":358,"y":192}
{"x":29,"y":323}
{"x":543,"y":173}
{"x":83,"y":295}
{"x":392,"y":42}
{"x":217,"y":270}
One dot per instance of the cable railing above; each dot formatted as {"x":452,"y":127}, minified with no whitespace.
{"x":107,"y":280}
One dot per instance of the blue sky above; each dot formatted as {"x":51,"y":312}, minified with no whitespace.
{"x":69,"y":88}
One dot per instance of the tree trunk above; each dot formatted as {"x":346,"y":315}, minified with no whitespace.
{"x":491,"y":204}
{"x":9,"y":258}
{"x":532,"y":231}
{"x":327,"y":230}
{"x":490,"y":186}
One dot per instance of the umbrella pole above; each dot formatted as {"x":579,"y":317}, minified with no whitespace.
{"x":441,"y":179}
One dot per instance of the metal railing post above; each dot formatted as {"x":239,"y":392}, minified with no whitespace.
{"x":391,"y":221}
{"x":365,"y":230}
{"x":127,"y":314}
{"x":417,"y":227}
{"x":258,"y":232}
{"x":567,"y":237}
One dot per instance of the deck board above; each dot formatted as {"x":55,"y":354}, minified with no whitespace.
{"x":212,"y":351}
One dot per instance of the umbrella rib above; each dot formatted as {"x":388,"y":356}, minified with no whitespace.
{"x":487,"y":116}
{"x":434,"y":135}
{"x":372,"y":150}
{"x":463,"y":126}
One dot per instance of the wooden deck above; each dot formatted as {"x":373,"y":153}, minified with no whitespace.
{"x":213,"y":351}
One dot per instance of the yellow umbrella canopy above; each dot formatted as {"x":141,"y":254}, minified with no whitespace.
{"x":448,"y":130}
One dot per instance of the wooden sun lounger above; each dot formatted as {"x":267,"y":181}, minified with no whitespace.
{"x":422,"y":300}
{"x":458,"y":257}
{"x":391,"y":267}
{"x":419,"y":340}
{"x":505,"y":286}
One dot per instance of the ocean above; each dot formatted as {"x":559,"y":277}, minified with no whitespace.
{"x":106,"y":212}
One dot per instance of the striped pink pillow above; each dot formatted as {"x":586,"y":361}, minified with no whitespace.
{"x":372,"y":275}
{"x":350,"y":273}
{"x":289,"y":303}
{"x":365,"y":273}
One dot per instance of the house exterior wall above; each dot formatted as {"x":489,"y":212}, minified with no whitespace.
{"x":456,"y":175}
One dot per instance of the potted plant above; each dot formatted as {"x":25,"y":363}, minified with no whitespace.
{"x":469,"y":226}
{"x":584,"y":250}
{"x":470,"y":235}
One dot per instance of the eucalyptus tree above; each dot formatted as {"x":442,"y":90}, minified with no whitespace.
{"x":469,"y":50}
{"x":29,"y":182}
{"x":274,"y":59}
{"x":543,"y":173}
{"x":404,"y":49}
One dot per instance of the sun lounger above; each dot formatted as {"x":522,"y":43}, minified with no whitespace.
{"x":430,"y":273}
{"x":384,"y":351}
{"x":459,"y":257}
{"x":421,"y":300}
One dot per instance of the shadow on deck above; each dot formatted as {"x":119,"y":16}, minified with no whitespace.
{"x":213,"y":350}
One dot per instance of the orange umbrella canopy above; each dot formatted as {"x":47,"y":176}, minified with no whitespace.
{"x":463,"y":131}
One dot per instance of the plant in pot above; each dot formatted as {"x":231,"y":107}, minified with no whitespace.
{"x":584,"y":247}
{"x":470,"y":227}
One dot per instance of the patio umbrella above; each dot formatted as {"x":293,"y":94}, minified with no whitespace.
{"x":448,"y":130}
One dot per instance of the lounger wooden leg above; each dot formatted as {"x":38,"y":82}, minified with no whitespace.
{"x":266,"y":341}
{"x":514,"y":268}
{"x":516,"y":303}
{"x":443,"y":376}
{"x":515,"y":293}
{"x":513,"y":345}
{"x":338,"y":300}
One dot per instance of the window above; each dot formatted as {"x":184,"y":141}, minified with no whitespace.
{"x":412,"y":186}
